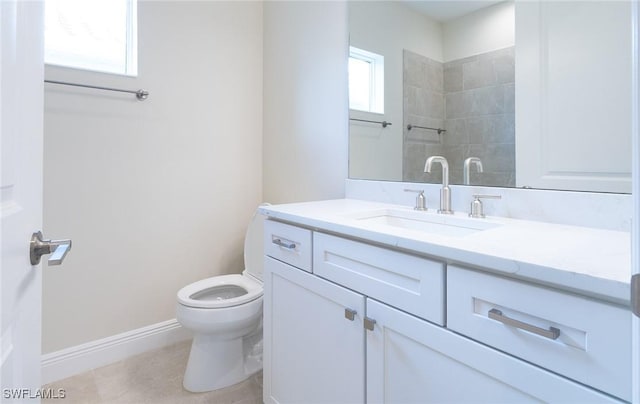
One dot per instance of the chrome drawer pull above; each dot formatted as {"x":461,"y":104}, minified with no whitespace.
{"x":551,"y":333}
{"x":284,"y":244}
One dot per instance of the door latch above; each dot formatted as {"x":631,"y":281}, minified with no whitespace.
{"x":635,"y":294}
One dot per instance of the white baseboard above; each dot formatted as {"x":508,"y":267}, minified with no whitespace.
{"x":81,"y":358}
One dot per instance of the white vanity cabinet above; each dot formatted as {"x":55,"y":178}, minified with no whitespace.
{"x":370,"y":324}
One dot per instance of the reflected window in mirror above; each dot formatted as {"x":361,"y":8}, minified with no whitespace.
{"x":366,"y":81}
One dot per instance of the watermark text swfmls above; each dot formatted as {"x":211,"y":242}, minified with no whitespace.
{"x":23,"y":394}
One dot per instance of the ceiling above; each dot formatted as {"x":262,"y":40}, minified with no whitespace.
{"x":443,"y":10}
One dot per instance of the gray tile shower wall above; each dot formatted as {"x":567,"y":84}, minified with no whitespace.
{"x":478,"y":94}
{"x":423,"y":99}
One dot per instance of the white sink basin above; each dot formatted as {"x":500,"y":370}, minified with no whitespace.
{"x":445,"y":225}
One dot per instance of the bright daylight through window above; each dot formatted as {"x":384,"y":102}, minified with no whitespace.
{"x":97,"y":35}
{"x":366,"y":81}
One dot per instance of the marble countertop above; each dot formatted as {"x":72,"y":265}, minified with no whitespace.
{"x":588,"y":261}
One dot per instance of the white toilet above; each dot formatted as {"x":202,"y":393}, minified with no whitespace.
{"x":225,"y":314}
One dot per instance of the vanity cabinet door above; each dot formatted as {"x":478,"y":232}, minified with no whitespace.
{"x":314,"y":339}
{"x":412,"y":361}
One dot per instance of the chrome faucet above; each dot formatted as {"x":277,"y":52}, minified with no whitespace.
{"x":445,"y":192}
{"x":466,"y":172}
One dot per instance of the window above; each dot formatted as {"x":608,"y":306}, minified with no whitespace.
{"x":366,"y":81}
{"x":98,"y":35}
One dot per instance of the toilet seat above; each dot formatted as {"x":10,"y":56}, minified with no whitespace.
{"x":220,"y":291}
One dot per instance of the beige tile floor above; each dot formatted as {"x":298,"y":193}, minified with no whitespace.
{"x":152,"y":377}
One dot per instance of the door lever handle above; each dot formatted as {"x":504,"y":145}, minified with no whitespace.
{"x":59,"y":253}
{"x":39,"y":247}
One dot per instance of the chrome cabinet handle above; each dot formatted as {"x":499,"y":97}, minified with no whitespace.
{"x":284,"y":244}
{"x":369,"y":323}
{"x":350,"y":314}
{"x":39,"y":247}
{"x":551,"y":333}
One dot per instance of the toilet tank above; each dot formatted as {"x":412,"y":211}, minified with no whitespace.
{"x":253,"y":248}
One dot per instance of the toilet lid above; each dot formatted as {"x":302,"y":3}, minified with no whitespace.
{"x":220,"y":291}
{"x":253,"y":245}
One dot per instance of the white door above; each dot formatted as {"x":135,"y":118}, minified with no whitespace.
{"x":552,"y":38}
{"x":21,"y":85}
{"x":635,"y":229}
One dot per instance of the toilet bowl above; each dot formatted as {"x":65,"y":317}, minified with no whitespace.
{"x":225,"y":314}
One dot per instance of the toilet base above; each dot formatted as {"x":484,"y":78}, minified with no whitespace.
{"x":214,"y":364}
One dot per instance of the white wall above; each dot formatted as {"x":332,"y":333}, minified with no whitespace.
{"x":485,"y":30}
{"x":305,"y":100}
{"x":386,"y":28}
{"x":155,"y":194}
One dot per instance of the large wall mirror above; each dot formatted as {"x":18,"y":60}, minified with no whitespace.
{"x":529,"y":94}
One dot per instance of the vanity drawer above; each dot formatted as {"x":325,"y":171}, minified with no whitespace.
{"x":583,"y":339}
{"x":288,"y":244}
{"x":407,"y":282}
